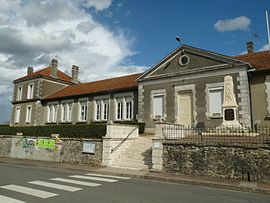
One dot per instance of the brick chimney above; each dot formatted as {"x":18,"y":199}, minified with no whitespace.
{"x":250,"y":47}
{"x":30,"y":70}
{"x":53,"y":66}
{"x":75,"y":73}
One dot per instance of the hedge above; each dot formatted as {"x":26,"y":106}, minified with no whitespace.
{"x":94,"y":130}
{"x":85,"y":131}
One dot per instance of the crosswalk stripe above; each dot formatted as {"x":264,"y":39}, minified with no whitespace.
{"x":56,"y":186}
{"x":4,"y":199}
{"x":29,"y":191}
{"x":94,"y":178}
{"x":107,"y":176}
{"x":76,"y":182}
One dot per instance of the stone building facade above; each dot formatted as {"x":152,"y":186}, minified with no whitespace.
{"x":186,"y":87}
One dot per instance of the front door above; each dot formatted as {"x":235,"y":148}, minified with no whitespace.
{"x":185,"y":109}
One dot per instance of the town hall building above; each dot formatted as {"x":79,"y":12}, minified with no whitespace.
{"x":186,"y":87}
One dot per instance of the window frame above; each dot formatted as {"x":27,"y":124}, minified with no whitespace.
{"x":52,"y":113}
{"x":121,"y":101}
{"x":28,"y":115}
{"x":67,"y":108}
{"x":211,"y":88}
{"x":154,"y":93}
{"x":30,"y":92}
{"x":83,"y":112}
{"x":19,"y":93}
{"x":99,"y":108}
{"x":158,"y":95}
{"x":17,"y":116}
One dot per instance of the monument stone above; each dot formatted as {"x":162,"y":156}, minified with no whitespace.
{"x":229,"y":107}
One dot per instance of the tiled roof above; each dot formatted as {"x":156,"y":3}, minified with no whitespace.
{"x":258,"y":60}
{"x":46,"y":72}
{"x":112,"y":84}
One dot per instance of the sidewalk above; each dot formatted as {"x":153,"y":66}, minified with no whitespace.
{"x":151,"y":175}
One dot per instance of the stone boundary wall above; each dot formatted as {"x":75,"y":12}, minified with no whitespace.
{"x":67,"y":150}
{"x":239,"y":162}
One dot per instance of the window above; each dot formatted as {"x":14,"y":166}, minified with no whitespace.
{"x":124,"y":108}
{"x":17,"y":114}
{"x":215,"y":96}
{"x":67,"y":112}
{"x":30,"y":91}
{"x":52,"y":113}
{"x":28,"y":114}
{"x":19,"y":93}
{"x":102,"y":109}
{"x":158,"y":106}
{"x":98,"y":110}
{"x":183,"y":60}
{"x":105,"y":109}
{"x":129,"y":108}
{"x":119,"y":109}
{"x":83,"y":111}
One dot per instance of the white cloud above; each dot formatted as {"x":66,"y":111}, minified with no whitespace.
{"x":239,"y":23}
{"x":32,"y":32}
{"x":99,"y":5}
{"x":264,"y":47}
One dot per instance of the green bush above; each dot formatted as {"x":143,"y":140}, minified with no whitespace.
{"x":75,"y":131}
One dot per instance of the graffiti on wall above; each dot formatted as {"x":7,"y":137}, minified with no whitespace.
{"x":30,"y":144}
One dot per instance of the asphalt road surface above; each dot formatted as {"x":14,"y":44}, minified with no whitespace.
{"x":19,"y":183}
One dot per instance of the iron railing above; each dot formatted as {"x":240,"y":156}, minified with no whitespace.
{"x":241,"y":135}
{"x":118,"y":145}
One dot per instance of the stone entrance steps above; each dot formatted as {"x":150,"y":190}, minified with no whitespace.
{"x":137,"y":155}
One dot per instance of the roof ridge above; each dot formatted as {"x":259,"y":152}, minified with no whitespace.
{"x":110,"y":84}
{"x":101,"y":80}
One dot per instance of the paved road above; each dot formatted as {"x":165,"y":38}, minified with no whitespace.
{"x":20,"y":183}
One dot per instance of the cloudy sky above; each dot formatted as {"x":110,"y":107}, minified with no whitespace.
{"x":108,"y":38}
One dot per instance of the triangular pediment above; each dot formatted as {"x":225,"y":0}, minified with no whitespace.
{"x":187,"y":60}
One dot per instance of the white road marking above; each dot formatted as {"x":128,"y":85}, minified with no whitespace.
{"x":107,"y":176}
{"x":56,"y":186}
{"x":4,"y":199}
{"x":94,"y":178}
{"x":76,"y":182}
{"x":29,"y":191}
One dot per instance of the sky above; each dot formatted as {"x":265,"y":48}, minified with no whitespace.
{"x":108,"y":38}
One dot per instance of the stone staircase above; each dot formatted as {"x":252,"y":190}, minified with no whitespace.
{"x":136,"y":155}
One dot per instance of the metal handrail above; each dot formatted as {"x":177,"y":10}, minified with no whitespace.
{"x":117,"y":146}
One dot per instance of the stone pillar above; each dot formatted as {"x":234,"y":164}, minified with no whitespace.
{"x":157,"y":154}
{"x":157,"y":148}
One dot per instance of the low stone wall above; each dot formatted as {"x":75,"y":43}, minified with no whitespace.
{"x":5,"y":146}
{"x":72,"y":152}
{"x":51,"y":149}
{"x":224,"y":162}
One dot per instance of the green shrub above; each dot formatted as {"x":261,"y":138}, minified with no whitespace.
{"x":75,"y":131}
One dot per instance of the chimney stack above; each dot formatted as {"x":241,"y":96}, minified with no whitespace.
{"x":250,"y":47}
{"x":53,"y":65}
{"x":30,"y":70}
{"x":75,"y":74}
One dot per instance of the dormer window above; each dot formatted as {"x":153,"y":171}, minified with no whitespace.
{"x":19,"y":93}
{"x":30,"y":91}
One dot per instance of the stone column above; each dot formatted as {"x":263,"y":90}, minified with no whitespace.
{"x":157,"y":148}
